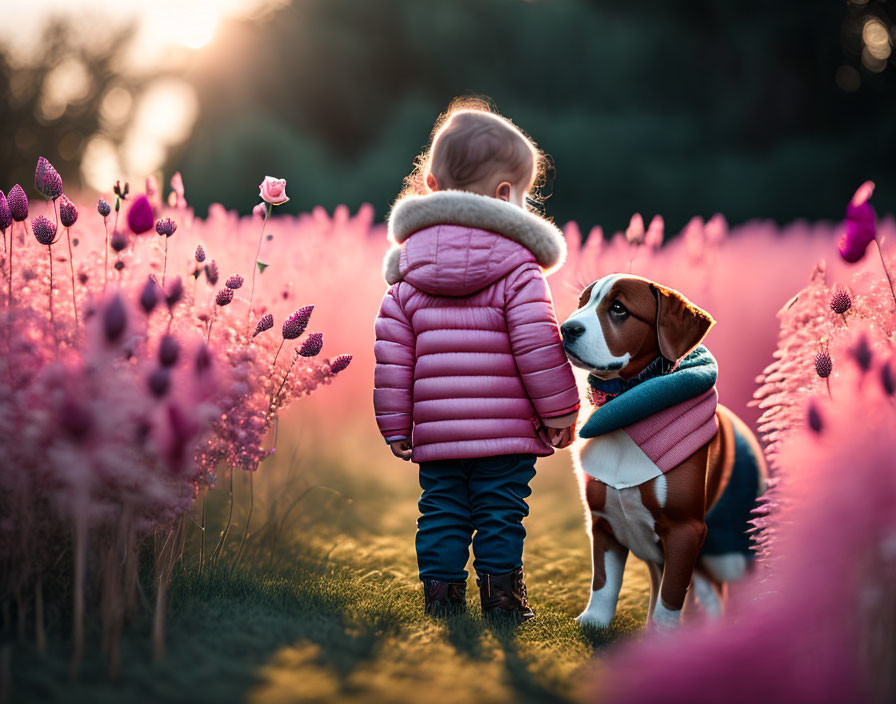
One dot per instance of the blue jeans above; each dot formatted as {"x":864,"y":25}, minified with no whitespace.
{"x":484,"y":494}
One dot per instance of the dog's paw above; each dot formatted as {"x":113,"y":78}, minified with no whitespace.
{"x":665,"y":619}
{"x":590,"y":619}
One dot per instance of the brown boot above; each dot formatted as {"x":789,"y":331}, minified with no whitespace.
{"x":505,"y":595}
{"x":443,"y":598}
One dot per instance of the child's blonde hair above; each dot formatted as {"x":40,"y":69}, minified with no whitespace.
{"x":470,"y":142}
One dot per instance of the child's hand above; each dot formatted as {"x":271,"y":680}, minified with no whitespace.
{"x":401,"y":449}
{"x":561,"y":437}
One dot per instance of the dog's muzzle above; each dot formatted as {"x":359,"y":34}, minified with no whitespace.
{"x":572,"y":330}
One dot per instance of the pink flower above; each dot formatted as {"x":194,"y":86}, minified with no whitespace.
{"x":5,"y":214}
{"x":635,"y":231}
{"x":273,"y":190}
{"x":68,"y":212}
{"x":140,"y":216}
{"x":654,"y":236}
{"x":260,"y":210}
{"x":176,"y":197}
{"x":860,"y":229}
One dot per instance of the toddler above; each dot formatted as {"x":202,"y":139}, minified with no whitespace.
{"x":471,"y":379}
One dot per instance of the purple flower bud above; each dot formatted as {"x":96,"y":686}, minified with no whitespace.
{"x":211,"y":272}
{"x":225,"y":296}
{"x":5,"y":215}
{"x":234,"y":282}
{"x":103,"y":208}
{"x":200,"y":254}
{"x":159,"y":382}
{"x":140,"y":215}
{"x":122,"y":193}
{"x":118,"y":241}
{"x":169,"y":351}
{"x":340,"y":363}
{"x":861,"y":352}
{"x":203,"y":360}
{"x":47,"y":180}
{"x":174,"y":293}
{"x":83,"y":277}
{"x":149,"y":296}
{"x":44,"y":230}
{"x":823,"y":364}
{"x":68,"y":212}
{"x":119,"y":265}
{"x":18,"y":203}
{"x":266,"y":323}
{"x":860,"y":226}
{"x":76,"y":419}
{"x":296,"y":323}
{"x":841,"y":302}
{"x":816,"y":422}
{"x":115,"y":319}
{"x":313,"y":345}
{"x":166,"y":227}
{"x":887,"y":378}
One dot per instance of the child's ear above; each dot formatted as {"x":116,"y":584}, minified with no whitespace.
{"x":431,"y":182}
{"x":502,"y":192}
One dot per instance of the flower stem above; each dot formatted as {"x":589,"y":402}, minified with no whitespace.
{"x":71,"y":265}
{"x":267,"y":214}
{"x":886,"y":271}
{"x":216,"y":553}
{"x":843,"y":315}
{"x":277,"y":354}
{"x":239,"y":552}
{"x":165,"y":264}
{"x":106,"y":262}
{"x":11,"y":238}
{"x":50,"y":296}
{"x":211,"y":322}
{"x":202,"y":535}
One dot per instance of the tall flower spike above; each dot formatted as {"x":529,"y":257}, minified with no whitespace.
{"x":149,"y":296}
{"x":314,"y":343}
{"x":340,"y":363}
{"x":861,"y":352}
{"x":296,"y":323}
{"x":200,"y":254}
{"x":118,"y":242}
{"x":225,"y":296}
{"x":68,"y":212}
{"x":211,"y":272}
{"x":174,"y":292}
{"x":860,"y":227}
{"x":266,"y":323}
{"x":115,"y":319}
{"x":166,"y":227}
{"x":140,"y":217}
{"x":5,"y":215}
{"x":234,"y":282}
{"x":18,"y":203}
{"x":44,"y":230}
{"x":47,"y":180}
{"x":103,"y":208}
{"x":823,"y":364}
{"x":841,"y":302}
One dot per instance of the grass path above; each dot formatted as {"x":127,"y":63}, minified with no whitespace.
{"x":337,"y":616}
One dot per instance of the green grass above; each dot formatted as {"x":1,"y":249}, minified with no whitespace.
{"x":334,"y":613}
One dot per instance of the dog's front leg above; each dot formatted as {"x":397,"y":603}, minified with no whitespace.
{"x":607,"y":565}
{"x":681,"y":546}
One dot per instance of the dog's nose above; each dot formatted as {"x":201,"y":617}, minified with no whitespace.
{"x":571,"y":330}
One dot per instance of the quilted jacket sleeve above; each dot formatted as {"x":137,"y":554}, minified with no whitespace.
{"x":536,"y":344}
{"x":393,"y":377}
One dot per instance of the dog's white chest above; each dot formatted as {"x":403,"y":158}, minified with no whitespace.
{"x":616,"y":460}
{"x":632,"y":524}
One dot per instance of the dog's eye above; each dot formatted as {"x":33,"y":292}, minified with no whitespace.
{"x":618,"y":311}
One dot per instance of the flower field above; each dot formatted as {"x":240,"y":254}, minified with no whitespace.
{"x":168,"y":479}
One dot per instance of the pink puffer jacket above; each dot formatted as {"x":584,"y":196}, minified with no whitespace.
{"x":468,"y":350}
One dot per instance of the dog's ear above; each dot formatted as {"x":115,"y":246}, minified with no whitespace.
{"x":680,"y":325}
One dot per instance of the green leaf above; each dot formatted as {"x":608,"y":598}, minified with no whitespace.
{"x":262,"y":266}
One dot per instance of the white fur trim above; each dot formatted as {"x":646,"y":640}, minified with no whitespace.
{"x":414,"y":213}
{"x":391,"y":271}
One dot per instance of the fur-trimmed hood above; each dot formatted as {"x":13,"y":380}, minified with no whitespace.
{"x":474,"y":214}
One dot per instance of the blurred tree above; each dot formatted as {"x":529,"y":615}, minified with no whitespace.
{"x":52,"y":105}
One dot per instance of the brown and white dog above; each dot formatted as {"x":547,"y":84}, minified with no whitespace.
{"x":625,"y":327}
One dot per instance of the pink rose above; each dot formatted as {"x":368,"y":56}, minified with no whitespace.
{"x":273,"y":190}
{"x":260,"y":210}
